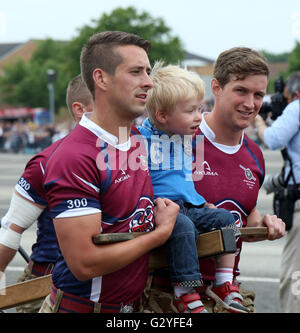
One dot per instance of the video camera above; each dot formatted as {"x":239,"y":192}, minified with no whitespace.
{"x":277,"y":104}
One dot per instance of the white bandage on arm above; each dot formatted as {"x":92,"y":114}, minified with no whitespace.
{"x":10,"y":238}
{"x":21,"y":212}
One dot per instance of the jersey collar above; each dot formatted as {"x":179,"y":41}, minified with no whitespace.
{"x":210,"y":135}
{"x":102,"y":133}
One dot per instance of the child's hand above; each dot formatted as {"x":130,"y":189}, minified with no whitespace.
{"x":210,"y":205}
{"x":165,"y":213}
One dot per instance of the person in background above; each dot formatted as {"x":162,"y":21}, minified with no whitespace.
{"x":29,"y":204}
{"x":284,"y":132}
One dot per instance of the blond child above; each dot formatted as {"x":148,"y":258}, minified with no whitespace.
{"x":174,"y":110}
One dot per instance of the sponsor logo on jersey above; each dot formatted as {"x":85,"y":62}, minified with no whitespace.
{"x":123,"y":177}
{"x":206,"y":170}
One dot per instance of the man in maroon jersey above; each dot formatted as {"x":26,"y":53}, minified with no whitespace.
{"x":28,"y":204}
{"x":91,"y":188}
{"x":233,"y":166}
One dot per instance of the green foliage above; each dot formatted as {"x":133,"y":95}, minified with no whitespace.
{"x":26,"y":83}
{"x":294,"y":59}
{"x":14,"y":73}
{"x":164,"y":45}
{"x":275,"y":58}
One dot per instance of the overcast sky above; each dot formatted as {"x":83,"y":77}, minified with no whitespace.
{"x":206,"y":27}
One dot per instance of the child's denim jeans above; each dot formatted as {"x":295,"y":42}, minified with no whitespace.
{"x":182,"y":250}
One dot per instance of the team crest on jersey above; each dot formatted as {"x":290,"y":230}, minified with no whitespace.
{"x":238,"y":218}
{"x":235,"y":209}
{"x":249,"y":177}
{"x":142,"y":220}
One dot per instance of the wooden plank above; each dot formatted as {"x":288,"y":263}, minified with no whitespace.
{"x":209,"y":244}
{"x":102,"y":239}
{"x":254,"y":232}
{"x":27,"y":291}
{"x":212,"y":236}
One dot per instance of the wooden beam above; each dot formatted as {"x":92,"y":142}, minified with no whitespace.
{"x":209,"y":244}
{"x":214,"y":236}
{"x":27,"y":291}
{"x":256,"y":232}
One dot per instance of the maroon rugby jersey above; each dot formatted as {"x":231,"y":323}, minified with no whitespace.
{"x":30,"y":186}
{"x":230,"y":178}
{"x":89,"y":173}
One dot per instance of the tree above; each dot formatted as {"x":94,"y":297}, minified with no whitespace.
{"x":26,"y":83}
{"x":14,"y":73}
{"x":164,"y":46}
{"x":294,"y":59}
{"x":275,"y":58}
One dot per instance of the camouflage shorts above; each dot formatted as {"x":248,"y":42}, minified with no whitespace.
{"x":46,"y":306}
{"x":159,"y":299}
{"x":32,"y":307}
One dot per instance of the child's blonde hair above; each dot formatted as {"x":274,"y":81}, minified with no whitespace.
{"x":171,"y":84}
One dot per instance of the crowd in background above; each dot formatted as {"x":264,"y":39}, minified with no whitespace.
{"x":24,"y":136}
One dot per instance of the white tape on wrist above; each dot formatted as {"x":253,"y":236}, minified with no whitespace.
{"x":10,"y":238}
{"x":21,"y":212}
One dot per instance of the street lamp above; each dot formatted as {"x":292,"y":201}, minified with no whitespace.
{"x":51,"y":77}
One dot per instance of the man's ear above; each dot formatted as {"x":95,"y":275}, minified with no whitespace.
{"x":161,"y":116}
{"x":78,"y":110}
{"x":100,"y":78}
{"x":215,"y":86}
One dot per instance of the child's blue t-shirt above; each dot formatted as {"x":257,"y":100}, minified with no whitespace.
{"x":170,"y":163}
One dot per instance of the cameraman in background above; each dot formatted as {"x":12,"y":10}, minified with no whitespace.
{"x":284,"y":134}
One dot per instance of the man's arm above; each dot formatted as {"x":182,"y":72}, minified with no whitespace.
{"x":276,"y":227}
{"x":260,"y":126}
{"x":24,"y":213}
{"x":282,"y":130}
{"x":87,"y":260}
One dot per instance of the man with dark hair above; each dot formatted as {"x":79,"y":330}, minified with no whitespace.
{"x":101,"y":52}
{"x":92,"y":189}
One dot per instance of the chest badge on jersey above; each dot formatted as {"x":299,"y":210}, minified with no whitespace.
{"x":249,"y":177}
{"x":142,"y":221}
